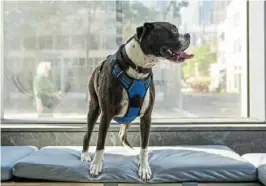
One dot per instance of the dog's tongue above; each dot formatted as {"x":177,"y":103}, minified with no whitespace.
{"x":184,"y":55}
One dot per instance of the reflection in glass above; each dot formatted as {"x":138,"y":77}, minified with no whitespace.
{"x":75,"y":42}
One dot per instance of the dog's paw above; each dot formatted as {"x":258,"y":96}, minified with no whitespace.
{"x":96,"y":168}
{"x":97,"y":163}
{"x":85,"y":156}
{"x":145,"y":171}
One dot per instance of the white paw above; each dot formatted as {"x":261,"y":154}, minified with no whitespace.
{"x":145,"y":171}
{"x":96,"y":168}
{"x":85,"y":156}
{"x":97,"y":163}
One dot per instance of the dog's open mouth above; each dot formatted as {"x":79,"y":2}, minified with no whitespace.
{"x":177,"y":56}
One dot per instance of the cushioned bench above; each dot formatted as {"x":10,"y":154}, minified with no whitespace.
{"x":259,"y":161}
{"x":9,"y":157}
{"x":216,"y":164}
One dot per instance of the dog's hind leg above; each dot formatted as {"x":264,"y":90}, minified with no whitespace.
{"x":93,"y":114}
{"x":123,"y":135}
{"x":96,"y":164}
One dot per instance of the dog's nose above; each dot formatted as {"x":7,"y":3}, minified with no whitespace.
{"x":187,"y":36}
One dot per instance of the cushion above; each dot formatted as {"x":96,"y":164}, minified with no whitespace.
{"x":259,"y":161}
{"x":169,"y":164}
{"x":10,"y":155}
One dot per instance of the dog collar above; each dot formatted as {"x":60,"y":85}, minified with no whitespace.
{"x":130,"y":63}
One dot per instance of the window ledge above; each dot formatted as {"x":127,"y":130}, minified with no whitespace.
{"x":249,"y":125}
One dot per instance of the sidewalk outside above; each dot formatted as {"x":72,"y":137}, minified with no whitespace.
{"x":193,"y":105}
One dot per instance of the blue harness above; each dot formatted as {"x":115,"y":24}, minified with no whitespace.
{"x":136,"y":90}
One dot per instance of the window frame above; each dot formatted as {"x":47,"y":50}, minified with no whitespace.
{"x":256,"y":52}
{"x":255,"y":98}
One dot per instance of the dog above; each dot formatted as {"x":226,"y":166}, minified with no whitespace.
{"x":122,"y":88}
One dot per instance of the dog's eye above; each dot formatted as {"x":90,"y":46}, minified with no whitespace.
{"x":174,"y":31}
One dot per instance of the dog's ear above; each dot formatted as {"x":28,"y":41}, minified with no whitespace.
{"x":142,"y":30}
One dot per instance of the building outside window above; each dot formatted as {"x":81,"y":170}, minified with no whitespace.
{"x":86,"y":36}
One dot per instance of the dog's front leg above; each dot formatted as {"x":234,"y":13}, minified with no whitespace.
{"x":97,"y":163}
{"x":144,"y":168}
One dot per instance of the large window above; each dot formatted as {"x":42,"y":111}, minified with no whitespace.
{"x":76,"y":36}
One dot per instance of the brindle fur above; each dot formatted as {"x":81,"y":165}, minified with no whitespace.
{"x":107,"y":95}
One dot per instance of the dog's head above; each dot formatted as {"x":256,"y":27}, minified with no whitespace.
{"x":162,"y":39}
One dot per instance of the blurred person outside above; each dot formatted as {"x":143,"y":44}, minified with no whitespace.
{"x":46,"y":97}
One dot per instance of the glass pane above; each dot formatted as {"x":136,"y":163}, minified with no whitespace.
{"x":54,"y":46}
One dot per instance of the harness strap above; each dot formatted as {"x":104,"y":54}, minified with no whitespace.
{"x":136,"y":90}
{"x":123,"y":78}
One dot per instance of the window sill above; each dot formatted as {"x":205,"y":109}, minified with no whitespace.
{"x":156,"y":121}
{"x":186,"y":125}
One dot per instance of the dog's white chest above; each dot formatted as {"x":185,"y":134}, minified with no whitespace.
{"x":125,"y":103}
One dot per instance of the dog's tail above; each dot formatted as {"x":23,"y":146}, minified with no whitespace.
{"x":123,"y":135}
